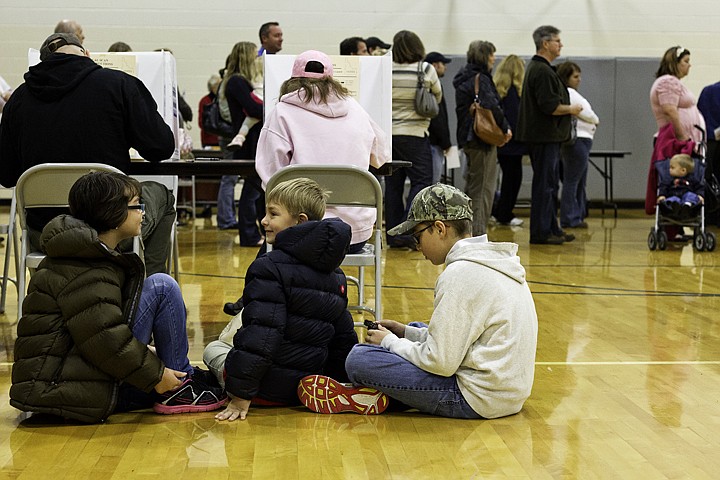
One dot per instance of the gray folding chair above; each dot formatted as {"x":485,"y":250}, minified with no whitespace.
{"x":350,"y":186}
{"x":12,"y":243}
{"x":45,"y":185}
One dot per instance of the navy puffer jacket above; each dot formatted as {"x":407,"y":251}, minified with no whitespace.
{"x":295,"y":320}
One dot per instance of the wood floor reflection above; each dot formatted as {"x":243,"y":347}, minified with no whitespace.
{"x":627,"y":380}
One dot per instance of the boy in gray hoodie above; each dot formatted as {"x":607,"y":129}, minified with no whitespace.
{"x":476,"y":359}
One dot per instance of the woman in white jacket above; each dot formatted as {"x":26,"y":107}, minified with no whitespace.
{"x":317,"y":122}
{"x":576,"y":154}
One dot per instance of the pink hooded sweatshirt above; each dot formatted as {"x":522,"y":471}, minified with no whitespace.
{"x":339,"y":132}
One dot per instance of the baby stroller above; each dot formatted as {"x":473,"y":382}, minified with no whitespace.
{"x":684,"y":216}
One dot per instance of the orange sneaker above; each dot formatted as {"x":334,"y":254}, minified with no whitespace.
{"x":322,"y":394}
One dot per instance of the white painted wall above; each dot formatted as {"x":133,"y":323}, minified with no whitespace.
{"x":201,"y":34}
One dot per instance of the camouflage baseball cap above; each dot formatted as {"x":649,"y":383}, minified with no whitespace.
{"x":436,"y":202}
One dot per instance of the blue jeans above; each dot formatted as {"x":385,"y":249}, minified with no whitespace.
{"x":415,"y":150}
{"x":438,"y":159}
{"x":575,"y":166}
{"x":251,"y":210}
{"x":226,"y":192}
{"x":374,"y":366}
{"x":161,"y":316}
{"x":226,"y":202}
{"x":545,"y":160}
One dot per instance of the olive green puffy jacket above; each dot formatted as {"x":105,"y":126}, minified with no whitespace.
{"x":74,"y":342}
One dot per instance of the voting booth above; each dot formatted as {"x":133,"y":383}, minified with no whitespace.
{"x":155,"y":69}
{"x":367,"y":78}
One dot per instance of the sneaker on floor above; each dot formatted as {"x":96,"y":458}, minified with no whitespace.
{"x":191,"y":396}
{"x":514,"y":222}
{"x":322,"y":394}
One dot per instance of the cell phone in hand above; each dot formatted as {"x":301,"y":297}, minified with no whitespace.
{"x":371,"y":325}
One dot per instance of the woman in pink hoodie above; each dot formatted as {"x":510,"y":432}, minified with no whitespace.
{"x":317,"y":122}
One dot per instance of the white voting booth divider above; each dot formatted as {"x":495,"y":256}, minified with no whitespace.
{"x":155,"y":69}
{"x":369,"y":79}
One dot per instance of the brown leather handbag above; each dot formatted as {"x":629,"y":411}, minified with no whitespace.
{"x":484,"y":124}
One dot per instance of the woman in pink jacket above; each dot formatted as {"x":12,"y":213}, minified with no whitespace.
{"x":317,"y":122}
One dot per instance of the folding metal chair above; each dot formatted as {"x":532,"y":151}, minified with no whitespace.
{"x":45,"y":185}
{"x":12,"y":243}
{"x":350,"y":186}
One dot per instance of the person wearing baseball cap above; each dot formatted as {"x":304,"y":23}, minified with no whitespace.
{"x":475,"y":358}
{"x":316,"y":121}
{"x":61,"y":43}
{"x":375,"y":46}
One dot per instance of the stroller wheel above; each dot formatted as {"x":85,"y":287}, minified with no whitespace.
{"x":711,"y":242}
{"x":699,"y":242}
{"x":652,"y":240}
{"x":662,"y":240}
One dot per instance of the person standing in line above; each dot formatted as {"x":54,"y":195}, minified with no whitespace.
{"x":576,"y":155}
{"x":353,"y":46}
{"x":481,"y":173}
{"x":236,"y":95}
{"x":439,"y":131}
{"x":409,"y":131}
{"x":543,"y":124}
{"x":271,"y":38}
{"x":508,"y":80}
{"x":376,"y":46}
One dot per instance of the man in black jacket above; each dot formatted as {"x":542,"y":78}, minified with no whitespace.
{"x":71,"y":110}
{"x":439,"y":130}
{"x":543,"y":124}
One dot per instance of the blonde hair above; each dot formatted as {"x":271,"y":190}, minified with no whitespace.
{"x":300,"y":195}
{"x":324,"y":87}
{"x":685,"y":161}
{"x":243,"y":61}
{"x":510,"y":71}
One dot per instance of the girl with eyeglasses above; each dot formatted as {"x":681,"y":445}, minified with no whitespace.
{"x":83,"y":344}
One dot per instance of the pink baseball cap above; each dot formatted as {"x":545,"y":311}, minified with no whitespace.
{"x":310,"y":63}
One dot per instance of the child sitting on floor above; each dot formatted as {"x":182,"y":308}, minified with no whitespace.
{"x":476,"y":359}
{"x":295,"y":320}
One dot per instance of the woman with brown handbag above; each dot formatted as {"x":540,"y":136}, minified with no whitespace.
{"x":481,"y":173}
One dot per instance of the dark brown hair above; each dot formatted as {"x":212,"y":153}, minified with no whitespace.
{"x":101,"y":199}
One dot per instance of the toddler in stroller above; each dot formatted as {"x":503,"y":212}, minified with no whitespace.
{"x":680,"y":202}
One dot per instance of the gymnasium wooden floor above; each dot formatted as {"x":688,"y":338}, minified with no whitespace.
{"x":627,"y":380}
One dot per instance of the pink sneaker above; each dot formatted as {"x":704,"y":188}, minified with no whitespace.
{"x":191,"y":396}
{"x":322,"y":394}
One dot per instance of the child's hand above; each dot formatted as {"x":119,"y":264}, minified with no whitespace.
{"x":395,"y":327}
{"x":660,"y":199}
{"x":238,"y":407}
{"x":171,"y":380}
{"x":375,"y":337}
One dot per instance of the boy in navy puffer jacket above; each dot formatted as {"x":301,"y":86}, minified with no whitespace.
{"x":295,"y":320}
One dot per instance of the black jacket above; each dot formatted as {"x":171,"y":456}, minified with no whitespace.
{"x":543,"y":92}
{"x":295,"y":320}
{"x":439,"y":131}
{"x":464,"y":83}
{"x":72,"y":110}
